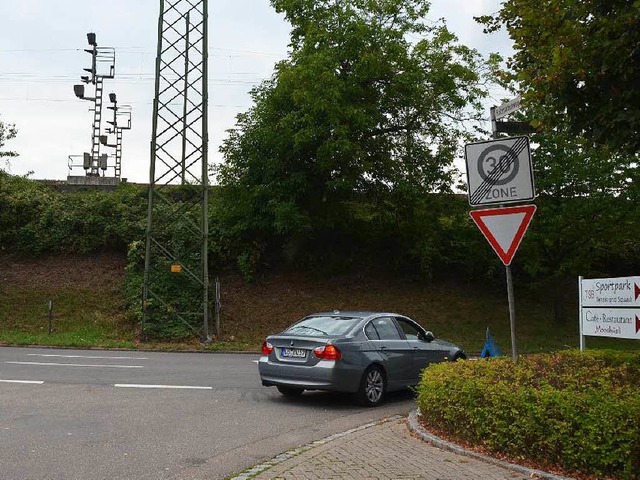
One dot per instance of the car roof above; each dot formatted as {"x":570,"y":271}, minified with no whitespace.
{"x":337,"y":313}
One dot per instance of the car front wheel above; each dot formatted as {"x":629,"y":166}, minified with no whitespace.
{"x":372,"y":387}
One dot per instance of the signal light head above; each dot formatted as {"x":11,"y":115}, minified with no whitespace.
{"x":79,"y":91}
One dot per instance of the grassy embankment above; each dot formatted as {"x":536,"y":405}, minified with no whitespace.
{"x":89,"y":310}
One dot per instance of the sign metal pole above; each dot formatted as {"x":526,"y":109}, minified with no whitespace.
{"x":512,"y":314}
{"x":510,"y":296}
{"x":580,"y":313}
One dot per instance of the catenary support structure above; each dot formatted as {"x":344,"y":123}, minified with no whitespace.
{"x":176,"y":280}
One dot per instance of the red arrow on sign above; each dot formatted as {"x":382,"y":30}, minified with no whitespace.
{"x":504,"y":228}
{"x":637,"y":290}
{"x":637,"y":324}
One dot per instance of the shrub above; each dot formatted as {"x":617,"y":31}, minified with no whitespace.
{"x":579,"y":411}
{"x":174,"y":308}
{"x":36,"y":219}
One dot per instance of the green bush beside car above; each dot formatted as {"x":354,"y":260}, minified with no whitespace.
{"x":576,"y":410}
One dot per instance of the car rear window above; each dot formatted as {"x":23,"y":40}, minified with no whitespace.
{"x":322,"y":326}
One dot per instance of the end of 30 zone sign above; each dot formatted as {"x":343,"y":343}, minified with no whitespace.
{"x":499,"y":171}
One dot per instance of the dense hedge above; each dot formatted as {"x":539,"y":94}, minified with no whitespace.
{"x":410,"y":237}
{"x":37,"y":219}
{"x":429,"y":235}
{"x":577,"y":410}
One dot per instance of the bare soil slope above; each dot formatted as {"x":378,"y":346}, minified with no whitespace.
{"x":98,"y":271}
{"x":88,"y":291}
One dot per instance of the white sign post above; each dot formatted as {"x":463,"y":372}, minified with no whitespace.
{"x":499,"y":172}
{"x":609,"y":307}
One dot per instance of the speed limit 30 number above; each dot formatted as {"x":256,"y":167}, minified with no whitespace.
{"x":498,"y":158}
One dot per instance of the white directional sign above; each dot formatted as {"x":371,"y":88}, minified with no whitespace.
{"x":499,"y":171}
{"x":611,"y":292}
{"x":611,"y":322}
{"x":508,"y":107}
{"x":610,"y":307}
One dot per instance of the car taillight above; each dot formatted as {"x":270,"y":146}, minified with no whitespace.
{"x":267,"y":348}
{"x":328,"y":352}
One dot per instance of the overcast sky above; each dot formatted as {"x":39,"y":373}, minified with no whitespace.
{"x":41,"y":58}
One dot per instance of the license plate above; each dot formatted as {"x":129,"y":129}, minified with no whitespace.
{"x":294,"y":353}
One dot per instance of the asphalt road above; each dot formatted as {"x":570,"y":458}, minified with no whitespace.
{"x":77,"y":414}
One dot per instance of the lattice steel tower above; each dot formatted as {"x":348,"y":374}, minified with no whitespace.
{"x":176,"y":280}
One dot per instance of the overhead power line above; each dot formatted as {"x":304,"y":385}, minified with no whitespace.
{"x":62,"y":100}
{"x":144,"y":51}
{"x":127,"y":76}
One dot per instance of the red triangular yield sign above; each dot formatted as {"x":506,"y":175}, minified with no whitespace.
{"x":504,"y":228}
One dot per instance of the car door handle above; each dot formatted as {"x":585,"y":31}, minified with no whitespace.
{"x":416,"y":349}
{"x":384,"y":348}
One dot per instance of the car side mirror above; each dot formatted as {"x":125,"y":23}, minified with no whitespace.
{"x":428,"y":336}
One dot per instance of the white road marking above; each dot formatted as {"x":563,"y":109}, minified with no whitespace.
{"x":85,"y":356}
{"x":131,"y":385}
{"x":74,"y":365}
{"x":29,"y":382}
{"x":256,"y":361}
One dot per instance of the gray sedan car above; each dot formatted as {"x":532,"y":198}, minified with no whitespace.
{"x":364,"y":353}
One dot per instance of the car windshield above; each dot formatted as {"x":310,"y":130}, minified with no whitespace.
{"x":322,"y":326}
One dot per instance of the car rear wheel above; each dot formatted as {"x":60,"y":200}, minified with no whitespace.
{"x":290,"y":391}
{"x":372,"y":387}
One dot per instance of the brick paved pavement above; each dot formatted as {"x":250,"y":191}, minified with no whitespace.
{"x":384,"y":450}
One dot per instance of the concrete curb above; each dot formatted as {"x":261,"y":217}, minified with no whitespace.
{"x":258,"y":469}
{"x":414,"y":426}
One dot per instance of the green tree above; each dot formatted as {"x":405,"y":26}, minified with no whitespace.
{"x":576,"y":65}
{"x":7,"y":132}
{"x":580,"y":61}
{"x":372,"y":99}
{"x":586,"y":223}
